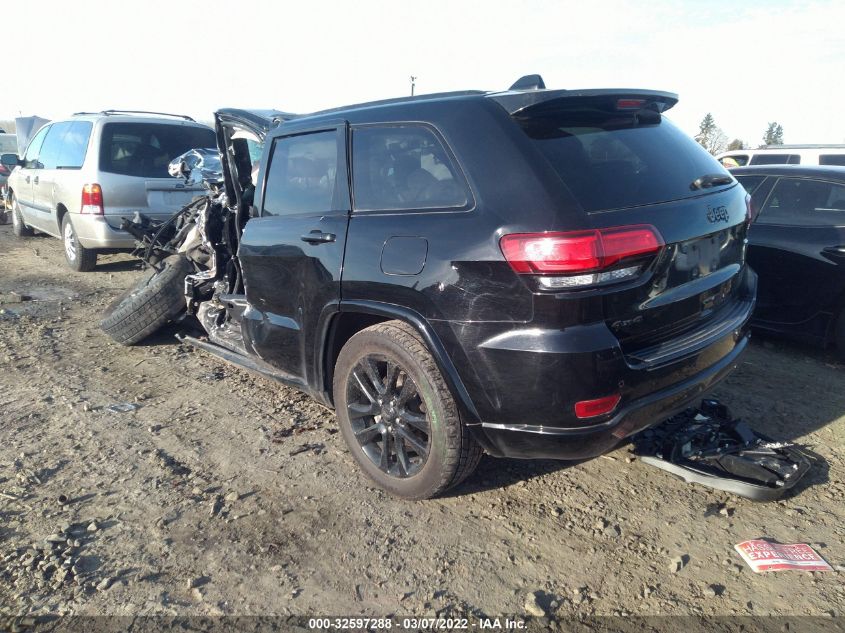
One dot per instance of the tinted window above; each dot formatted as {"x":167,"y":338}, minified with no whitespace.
{"x":301,"y":176}
{"x":145,"y":149}
{"x":750,"y":182}
{"x":403,"y":168}
{"x":832,"y":159}
{"x":35,"y":146}
{"x":776,"y":159}
{"x":52,"y":145}
{"x":805,"y":202}
{"x":616,"y":160}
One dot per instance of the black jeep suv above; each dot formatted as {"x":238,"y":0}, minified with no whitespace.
{"x":529,"y":273}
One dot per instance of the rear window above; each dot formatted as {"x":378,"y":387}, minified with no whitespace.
{"x":776,"y":159}
{"x":615,"y":160}
{"x":832,"y":159}
{"x":145,"y":149}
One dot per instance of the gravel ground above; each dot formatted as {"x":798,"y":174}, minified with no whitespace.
{"x":222,"y":493}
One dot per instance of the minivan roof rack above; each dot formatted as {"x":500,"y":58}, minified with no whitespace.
{"x":807,"y":146}
{"x":113,"y":112}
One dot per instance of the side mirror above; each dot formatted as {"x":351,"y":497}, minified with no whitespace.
{"x":10,"y":160}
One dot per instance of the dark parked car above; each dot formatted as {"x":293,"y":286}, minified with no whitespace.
{"x":797,"y":247}
{"x":532,"y":273}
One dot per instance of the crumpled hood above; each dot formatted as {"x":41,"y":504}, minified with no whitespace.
{"x":27,"y":127}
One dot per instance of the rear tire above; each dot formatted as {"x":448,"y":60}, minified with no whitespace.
{"x":18,"y":227}
{"x":397,"y":415}
{"x":157,"y":298}
{"x":79,"y":258}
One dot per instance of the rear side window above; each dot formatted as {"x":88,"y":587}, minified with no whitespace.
{"x":301,"y":176}
{"x":750,"y":182}
{"x":804,"y":202}
{"x":65,"y":145}
{"x":776,"y":159}
{"x":145,"y":149}
{"x":49,"y":154}
{"x":735,"y":160}
{"x":832,"y":159}
{"x":612,"y":160}
{"x":403,"y":167}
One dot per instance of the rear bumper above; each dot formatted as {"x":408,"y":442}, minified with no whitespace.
{"x":94,"y":232}
{"x":534,"y":441}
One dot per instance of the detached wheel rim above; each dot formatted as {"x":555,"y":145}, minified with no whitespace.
{"x":388,"y":416}
{"x":70,"y":242}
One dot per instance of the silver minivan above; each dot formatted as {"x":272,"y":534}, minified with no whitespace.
{"x":79,"y":178}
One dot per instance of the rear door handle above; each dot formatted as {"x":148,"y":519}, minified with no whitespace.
{"x":318,"y":237}
{"x":35,"y":180}
{"x":27,"y":179}
{"x":834,"y":250}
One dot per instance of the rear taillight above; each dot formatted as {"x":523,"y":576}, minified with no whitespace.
{"x":750,"y":211}
{"x":92,"y":200}
{"x":600,"y":406}
{"x":4,"y":171}
{"x":580,"y":252}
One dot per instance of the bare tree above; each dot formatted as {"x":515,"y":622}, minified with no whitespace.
{"x":710,"y":135}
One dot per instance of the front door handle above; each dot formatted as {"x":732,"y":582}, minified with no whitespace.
{"x":318,"y":237}
{"x":838,"y":251}
{"x":27,"y":180}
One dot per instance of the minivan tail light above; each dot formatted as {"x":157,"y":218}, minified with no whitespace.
{"x":599,"y":406}
{"x":750,"y":211}
{"x":92,"y":200}
{"x":578,"y":251}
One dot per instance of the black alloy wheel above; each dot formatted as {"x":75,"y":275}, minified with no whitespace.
{"x":388,"y":416}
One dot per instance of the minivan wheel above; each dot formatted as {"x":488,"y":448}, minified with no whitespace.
{"x":18,"y":227}
{"x":397,"y":415}
{"x":78,"y":257}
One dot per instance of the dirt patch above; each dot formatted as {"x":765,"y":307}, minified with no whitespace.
{"x":222,"y":493}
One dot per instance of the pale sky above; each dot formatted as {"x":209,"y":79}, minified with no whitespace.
{"x":748,"y":61}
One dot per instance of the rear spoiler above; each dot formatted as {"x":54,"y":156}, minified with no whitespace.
{"x":535,"y":102}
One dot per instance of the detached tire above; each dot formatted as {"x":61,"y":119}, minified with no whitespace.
{"x":157,"y":298}
{"x":397,"y":415}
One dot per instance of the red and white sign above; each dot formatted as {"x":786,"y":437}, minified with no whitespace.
{"x":764,"y":556}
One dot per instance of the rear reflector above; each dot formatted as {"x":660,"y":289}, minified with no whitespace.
{"x":92,"y":200}
{"x":4,"y":171}
{"x":579,"y":251}
{"x":600,"y":406}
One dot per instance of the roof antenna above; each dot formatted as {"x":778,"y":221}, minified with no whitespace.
{"x":413,"y":83}
{"x":529,"y":82}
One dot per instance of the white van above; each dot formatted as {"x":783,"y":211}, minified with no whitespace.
{"x":784,"y":155}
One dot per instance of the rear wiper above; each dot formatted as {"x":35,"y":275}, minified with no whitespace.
{"x":710,"y":180}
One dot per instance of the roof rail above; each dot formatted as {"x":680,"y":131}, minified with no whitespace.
{"x":113,"y":112}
